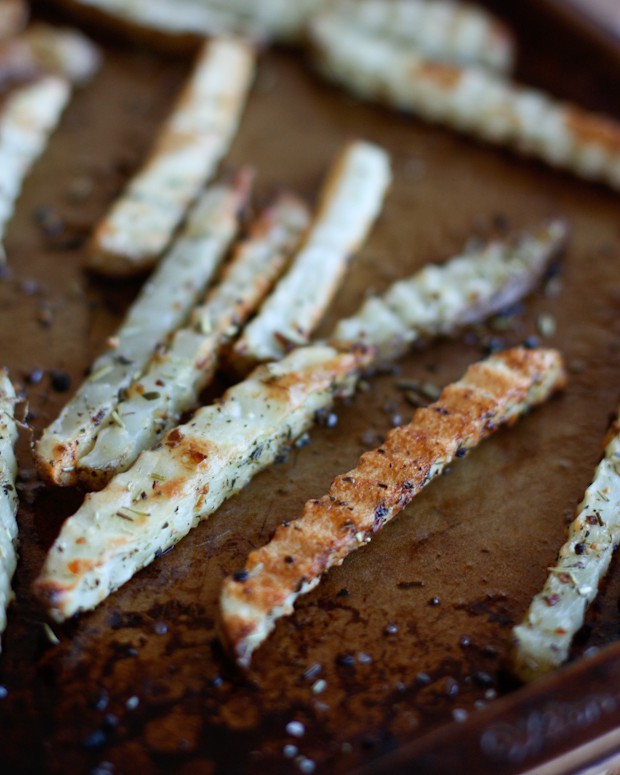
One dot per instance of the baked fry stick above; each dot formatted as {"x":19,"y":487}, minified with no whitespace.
{"x":543,"y":639}
{"x":442,"y":30}
{"x":162,"y":306}
{"x":198,"y":465}
{"x":8,"y":494}
{"x":471,"y":100}
{"x":349,"y":203}
{"x":439,"y":299}
{"x":28,"y":116}
{"x":187,"y":151}
{"x":361,"y":502}
{"x":174,"y":378}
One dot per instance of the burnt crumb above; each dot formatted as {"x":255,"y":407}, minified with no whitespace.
{"x":59,"y":380}
{"x":461,"y":452}
{"x":580,"y":548}
{"x":344,"y":592}
{"x":115,"y":620}
{"x":241,"y":575}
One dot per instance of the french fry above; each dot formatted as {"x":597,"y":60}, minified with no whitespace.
{"x":8,"y":494}
{"x":200,"y":464}
{"x":173,"y":380}
{"x":492,"y":393}
{"x":439,"y":299}
{"x":187,"y":19}
{"x":441,"y":30}
{"x":197,"y":134}
{"x":62,"y":51}
{"x":28,"y":116}
{"x":543,"y":639}
{"x":195,"y":467}
{"x":162,"y":306}
{"x":349,"y":203}
{"x":470,"y":99}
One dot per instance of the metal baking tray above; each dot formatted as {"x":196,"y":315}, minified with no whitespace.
{"x":398,"y":661}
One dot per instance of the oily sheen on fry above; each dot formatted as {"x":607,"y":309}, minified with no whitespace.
{"x":359,"y":503}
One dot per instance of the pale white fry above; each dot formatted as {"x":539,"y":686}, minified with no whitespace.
{"x":350,"y":201}
{"x":170,"y":488}
{"x":439,"y":299}
{"x":13,"y":18}
{"x":543,"y":639}
{"x":62,"y":51}
{"x":28,"y":116}
{"x":264,"y":21}
{"x":162,"y":306}
{"x":359,"y":503}
{"x":188,"y":149}
{"x":8,"y":494}
{"x":443,"y":30}
{"x":472,"y":100}
{"x":174,"y":378}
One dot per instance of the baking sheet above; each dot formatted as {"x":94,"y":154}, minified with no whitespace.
{"x":411,"y":635}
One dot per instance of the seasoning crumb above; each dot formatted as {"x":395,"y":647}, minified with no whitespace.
{"x":346,"y":748}
{"x":546,"y":325}
{"x":4,"y":692}
{"x":295,"y":729}
{"x":459,"y":714}
{"x":95,"y":739}
{"x":318,"y":687}
{"x":34,"y":377}
{"x":313,"y":671}
{"x":132,"y":703}
{"x":390,"y":629}
{"x":160,"y":628}
{"x":345,"y":660}
{"x":305,"y":765}
{"x":464,"y":641}
{"x":50,"y":634}
{"x":423,"y":679}
{"x":434,"y":601}
{"x":290,"y":751}
{"x":490,"y":694}
{"x":363,"y":658}
{"x":303,"y":440}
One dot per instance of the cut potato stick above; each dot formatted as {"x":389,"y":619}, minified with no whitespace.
{"x":439,"y":299}
{"x":8,"y":494}
{"x":439,"y":29}
{"x":196,"y":466}
{"x":27,"y":118}
{"x":350,"y":201}
{"x":173,"y":380}
{"x":264,"y":21}
{"x":190,"y":146}
{"x":13,"y":18}
{"x":470,"y":99}
{"x":359,"y":503}
{"x":162,"y":306}
{"x":62,"y":51}
{"x":543,"y":639}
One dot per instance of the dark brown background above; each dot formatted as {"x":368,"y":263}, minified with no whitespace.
{"x":452,"y":574}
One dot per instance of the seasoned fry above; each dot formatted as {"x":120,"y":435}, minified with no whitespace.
{"x":162,"y":306}
{"x":173,"y":380}
{"x":265,"y":21}
{"x":543,"y":639}
{"x":472,"y":100}
{"x":385,"y":480}
{"x":442,"y":30}
{"x":439,"y":299}
{"x":62,"y":51}
{"x":188,"y":149}
{"x":349,"y":203}
{"x":27,"y":118}
{"x":195,"y":467}
{"x":13,"y":18}
{"x":8,"y":494}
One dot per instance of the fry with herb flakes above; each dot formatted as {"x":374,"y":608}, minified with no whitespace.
{"x":439,"y":299}
{"x":8,"y":494}
{"x":441,"y":30}
{"x":162,"y":306}
{"x":188,"y":475}
{"x":197,"y":134}
{"x":28,"y":116}
{"x":492,"y":393}
{"x":542,"y":641}
{"x":174,"y":378}
{"x":470,"y":99}
{"x":349,"y":203}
